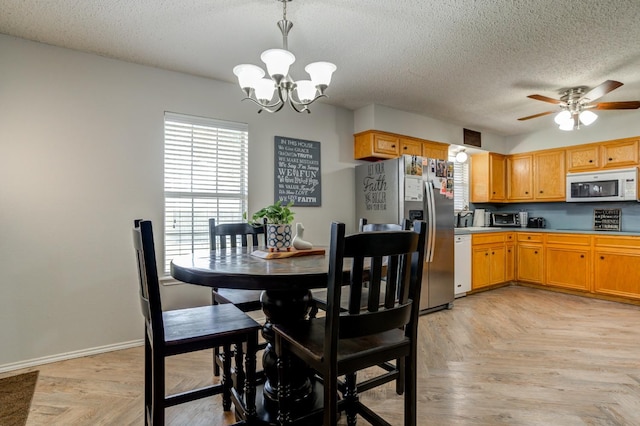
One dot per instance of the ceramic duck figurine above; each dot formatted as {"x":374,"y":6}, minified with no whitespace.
{"x":298,"y":242}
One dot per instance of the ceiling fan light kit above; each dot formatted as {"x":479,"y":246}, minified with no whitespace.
{"x":298,"y":94}
{"x":576,"y":105}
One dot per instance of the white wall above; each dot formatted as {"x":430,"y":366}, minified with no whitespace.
{"x":609,"y":125}
{"x":82,"y":156}
{"x":380,"y":117}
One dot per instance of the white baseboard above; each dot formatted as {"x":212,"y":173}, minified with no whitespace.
{"x":70,"y":355}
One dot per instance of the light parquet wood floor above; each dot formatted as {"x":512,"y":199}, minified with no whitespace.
{"x":510,"y":356}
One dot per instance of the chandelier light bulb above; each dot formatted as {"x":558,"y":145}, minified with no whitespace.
{"x":264,"y":89}
{"x":320,"y":72}
{"x":588,"y":117}
{"x":248,"y":75}
{"x":306,"y":90}
{"x":278,"y":61}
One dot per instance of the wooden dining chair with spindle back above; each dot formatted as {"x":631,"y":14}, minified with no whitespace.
{"x":343,"y":343}
{"x":181,"y":331}
{"x":234,"y":235}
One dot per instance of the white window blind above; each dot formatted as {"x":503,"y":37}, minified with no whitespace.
{"x":205,"y":176}
{"x":460,"y":185}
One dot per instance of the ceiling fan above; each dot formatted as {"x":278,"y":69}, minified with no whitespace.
{"x":575,"y":105}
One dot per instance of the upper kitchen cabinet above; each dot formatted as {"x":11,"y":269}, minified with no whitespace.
{"x":612,"y":154}
{"x":583,"y":158}
{"x":619,"y":153}
{"x":437,"y":150}
{"x":520,"y":173}
{"x":549,"y":175}
{"x":375,"y":145}
{"x":488,"y":178}
{"x":536,"y":176}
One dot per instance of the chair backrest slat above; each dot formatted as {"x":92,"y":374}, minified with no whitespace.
{"x":227,"y":234}
{"x":150,"y":301}
{"x":403,"y":254}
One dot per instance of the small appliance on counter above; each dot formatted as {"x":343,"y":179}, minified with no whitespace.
{"x":524,"y":219}
{"x":478,"y":217}
{"x":536,"y":222}
{"x":506,"y":219}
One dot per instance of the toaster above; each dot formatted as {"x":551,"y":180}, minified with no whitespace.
{"x":536,"y":222}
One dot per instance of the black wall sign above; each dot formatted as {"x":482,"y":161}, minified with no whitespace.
{"x":297,"y":172}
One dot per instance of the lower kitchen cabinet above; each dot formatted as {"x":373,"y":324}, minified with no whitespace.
{"x":616,"y":262}
{"x":510,"y":262}
{"x":488,"y":259}
{"x":530,"y":259}
{"x":568,"y":261}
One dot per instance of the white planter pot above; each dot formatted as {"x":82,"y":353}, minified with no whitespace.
{"x":278,"y":237}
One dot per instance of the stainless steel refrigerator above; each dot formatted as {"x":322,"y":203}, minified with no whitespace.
{"x":415,"y":188}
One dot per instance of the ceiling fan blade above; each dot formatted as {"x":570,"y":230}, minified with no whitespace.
{"x":600,"y":91}
{"x":618,"y":105}
{"x":535,"y":116}
{"x":544,"y":99}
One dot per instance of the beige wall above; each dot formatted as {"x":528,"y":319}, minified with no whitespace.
{"x":82,"y":156}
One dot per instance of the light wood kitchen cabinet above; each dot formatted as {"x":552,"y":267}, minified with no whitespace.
{"x":616,"y":261}
{"x":510,"y":257}
{"x":537,"y":176}
{"x":583,"y":158}
{"x":437,"y":150}
{"x":520,"y":173}
{"x":549,"y":175}
{"x":619,"y":153}
{"x":530,"y":257}
{"x":374,"y":145}
{"x":410,"y":147}
{"x":568,"y":261}
{"x":488,"y":259}
{"x":488,"y":178}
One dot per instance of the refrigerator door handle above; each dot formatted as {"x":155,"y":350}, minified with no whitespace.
{"x":431,"y":217}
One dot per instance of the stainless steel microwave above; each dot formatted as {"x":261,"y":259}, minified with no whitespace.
{"x":606,"y":185}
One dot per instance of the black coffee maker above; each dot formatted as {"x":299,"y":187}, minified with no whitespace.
{"x":536,"y":222}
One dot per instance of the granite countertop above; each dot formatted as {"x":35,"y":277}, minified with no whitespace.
{"x":481,"y":230}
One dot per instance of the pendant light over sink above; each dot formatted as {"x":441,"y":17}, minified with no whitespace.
{"x":298,"y":94}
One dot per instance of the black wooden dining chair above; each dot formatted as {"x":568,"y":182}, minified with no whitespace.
{"x":230,"y":235}
{"x":343,"y":343}
{"x":180,"y":331}
{"x":320,"y":295}
{"x":233,"y":235}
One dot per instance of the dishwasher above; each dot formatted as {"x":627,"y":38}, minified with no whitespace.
{"x":462,"y":265}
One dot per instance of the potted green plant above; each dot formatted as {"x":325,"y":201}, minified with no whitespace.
{"x":279,"y":218}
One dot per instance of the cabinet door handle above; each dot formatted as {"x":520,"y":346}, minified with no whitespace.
{"x":541,"y":191}
{"x":582,"y":256}
{"x":602,"y":257}
{"x":405,"y":148}
{"x":535,"y":252}
{"x":526,"y":192}
{"x":591,"y":161}
{"x":610,"y":159}
{"x":393,"y":146}
{"x":528,"y":238}
{"x":493,"y":252}
{"x":486,"y":254}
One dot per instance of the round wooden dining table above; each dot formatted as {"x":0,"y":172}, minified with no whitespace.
{"x":286,"y":297}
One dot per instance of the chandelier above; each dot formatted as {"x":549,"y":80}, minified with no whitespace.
{"x":575,"y":111}
{"x":298,"y":94}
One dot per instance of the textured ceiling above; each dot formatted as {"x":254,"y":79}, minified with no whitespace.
{"x":468,"y":62}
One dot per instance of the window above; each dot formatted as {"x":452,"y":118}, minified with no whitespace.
{"x":460,"y":185}
{"x":205,"y":176}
